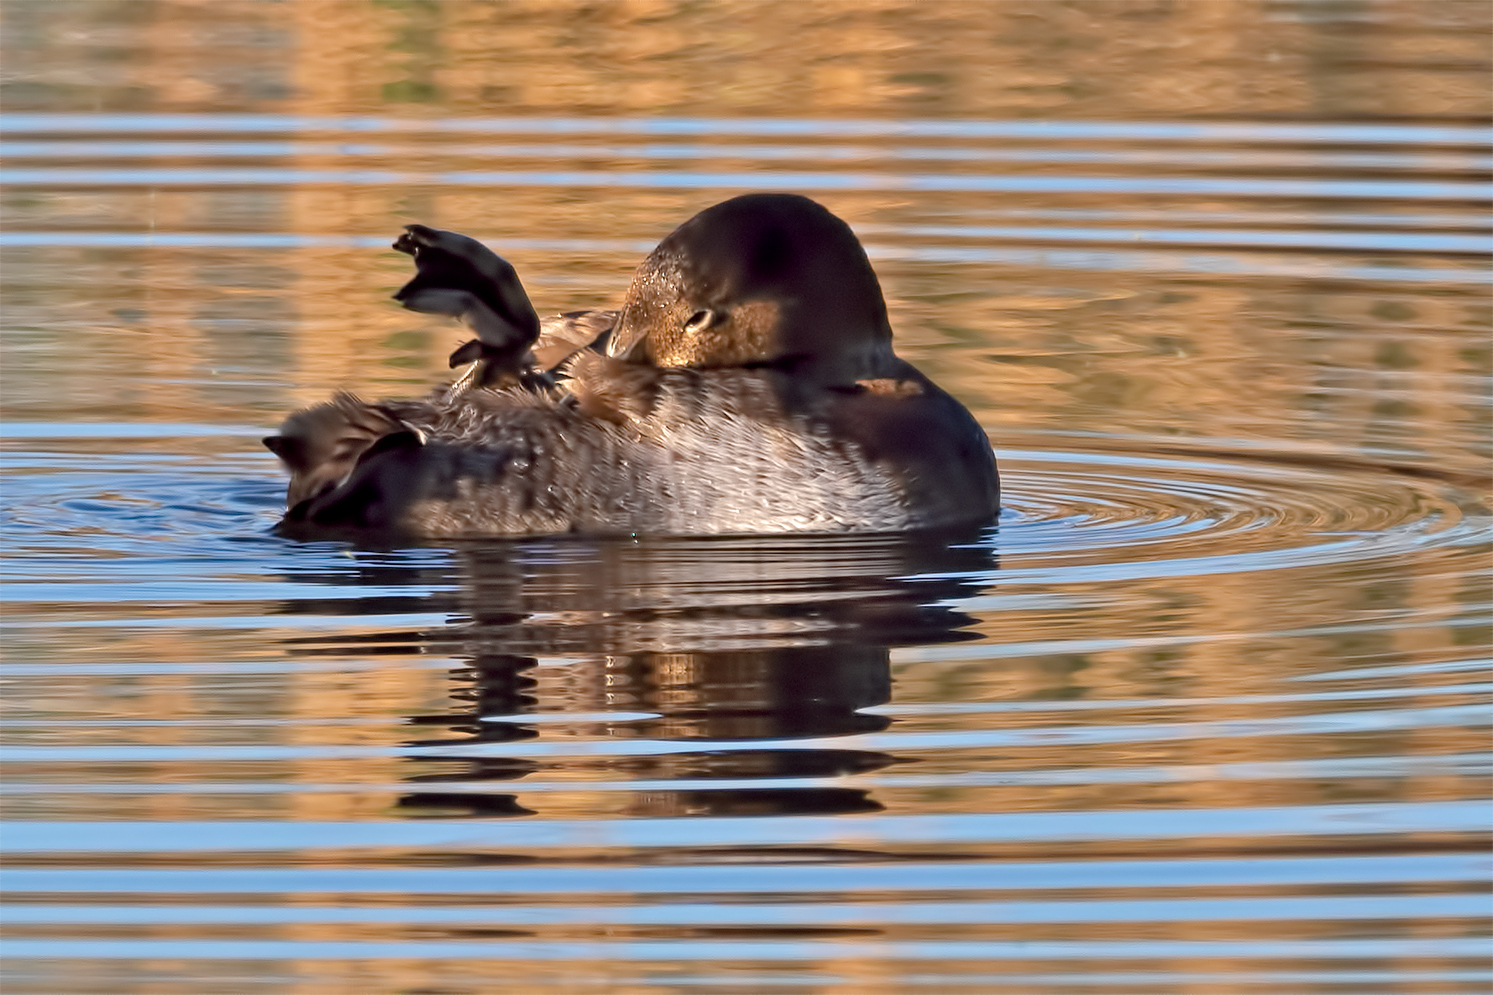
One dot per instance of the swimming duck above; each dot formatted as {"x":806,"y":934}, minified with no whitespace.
{"x":747,"y":385}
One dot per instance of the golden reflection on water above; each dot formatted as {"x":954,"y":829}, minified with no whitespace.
{"x":1171,"y":640}
{"x":1138,"y":60}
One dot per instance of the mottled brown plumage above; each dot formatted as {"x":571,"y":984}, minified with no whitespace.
{"x":749,"y":386}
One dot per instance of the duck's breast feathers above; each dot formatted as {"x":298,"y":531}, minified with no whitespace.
{"x":931,"y":441}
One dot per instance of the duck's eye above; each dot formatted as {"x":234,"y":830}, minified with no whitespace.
{"x":701,"y":320}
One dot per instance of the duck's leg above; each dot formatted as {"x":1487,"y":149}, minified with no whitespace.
{"x":461,"y":277}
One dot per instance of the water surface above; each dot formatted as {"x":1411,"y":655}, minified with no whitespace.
{"x":1206,"y":712}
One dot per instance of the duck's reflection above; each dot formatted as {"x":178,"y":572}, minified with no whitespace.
{"x":724,"y":643}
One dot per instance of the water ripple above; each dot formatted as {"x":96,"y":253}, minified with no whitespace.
{"x":1206,"y":710}
{"x":1317,"y":132}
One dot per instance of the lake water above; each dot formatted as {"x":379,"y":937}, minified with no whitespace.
{"x":1206,"y":712}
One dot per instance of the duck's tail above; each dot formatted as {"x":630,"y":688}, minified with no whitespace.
{"x":330,"y":447}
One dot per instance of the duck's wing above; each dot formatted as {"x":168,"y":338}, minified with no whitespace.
{"x":459,"y":276}
{"x":563,"y":335}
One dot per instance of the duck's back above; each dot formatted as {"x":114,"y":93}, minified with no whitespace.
{"x":674,"y":452}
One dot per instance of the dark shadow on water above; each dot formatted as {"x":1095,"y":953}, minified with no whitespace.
{"x":724,"y":643}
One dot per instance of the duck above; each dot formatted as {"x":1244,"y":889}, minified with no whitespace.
{"x":747,"y":384}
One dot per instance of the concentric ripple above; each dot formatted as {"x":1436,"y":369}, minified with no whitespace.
{"x":1066,"y":514}
{"x":1206,"y":710}
{"x":1172,"y":515}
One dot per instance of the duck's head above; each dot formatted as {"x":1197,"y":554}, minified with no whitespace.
{"x":766,"y":279}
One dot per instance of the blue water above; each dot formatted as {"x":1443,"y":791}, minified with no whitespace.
{"x":1206,"y":711}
